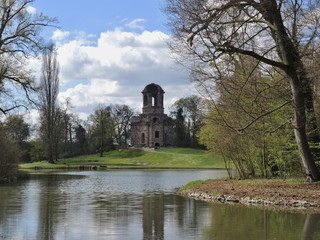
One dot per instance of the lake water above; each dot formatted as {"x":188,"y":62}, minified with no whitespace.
{"x":135,"y":205}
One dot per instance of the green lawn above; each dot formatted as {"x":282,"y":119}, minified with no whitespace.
{"x":193,"y":151}
{"x":172,"y":158}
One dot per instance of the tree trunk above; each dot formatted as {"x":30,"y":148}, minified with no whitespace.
{"x":70,"y":139}
{"x":102,"y":135}
{"x":310,"y":168}
{"x":49,"y":136}
{"x":300,"y":86}
{"x":313,"y":134}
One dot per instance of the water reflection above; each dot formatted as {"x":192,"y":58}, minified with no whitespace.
{"x":153,"y":217}
{"x":234,"y":222}
{"x":13,"y":196}
{"x":104,"y":205}
{"x":51,"y":205}
{"x":311,"y":227}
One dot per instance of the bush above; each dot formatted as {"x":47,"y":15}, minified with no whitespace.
{"x":9,"y":156}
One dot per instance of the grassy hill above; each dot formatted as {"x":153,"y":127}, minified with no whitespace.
{"x":165,"y":158}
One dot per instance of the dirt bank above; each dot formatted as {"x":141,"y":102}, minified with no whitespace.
{"x":290,"y":193}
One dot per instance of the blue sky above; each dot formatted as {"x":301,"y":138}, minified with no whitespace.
{"x":110,"y":50}
{"x":96,"y":16}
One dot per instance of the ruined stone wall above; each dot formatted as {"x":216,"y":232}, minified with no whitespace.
{"x":155,"y":130}
{"x":152,"y":128}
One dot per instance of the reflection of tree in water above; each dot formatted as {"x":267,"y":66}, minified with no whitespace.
{"x":48,"y":207}
{"x":120,"y":211}
{"x":153,"y":217}
{"x":157,"y":209}
{"x":311,"y":227}
{"x":10,"y":193}
{"x":160,"y":209}
{"x":113,"y":210}
{"x":237,"y":222}
{"x":52,"y":204}
{"x":13,"y":196}
{"x":188,"y":213}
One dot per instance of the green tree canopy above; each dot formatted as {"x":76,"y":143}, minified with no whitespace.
{"x":275,"y":33}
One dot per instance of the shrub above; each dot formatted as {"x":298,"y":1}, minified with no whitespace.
{"x":9,"y":156}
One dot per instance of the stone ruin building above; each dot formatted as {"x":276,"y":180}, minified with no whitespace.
{"x":152,"y":128}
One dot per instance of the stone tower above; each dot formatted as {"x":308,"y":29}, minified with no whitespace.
{"x":152,"y":128}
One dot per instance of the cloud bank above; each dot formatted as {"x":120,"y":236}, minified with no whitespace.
{"x":114,"y":67}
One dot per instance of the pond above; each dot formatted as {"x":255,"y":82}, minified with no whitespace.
{"x":135,"y":205}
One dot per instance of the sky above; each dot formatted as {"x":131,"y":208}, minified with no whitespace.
{"x":109,"y":51}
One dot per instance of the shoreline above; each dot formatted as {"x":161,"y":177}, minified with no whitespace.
{"x":289,"y":194}
{"x":170,"y":158}
{"x":108,"y":167}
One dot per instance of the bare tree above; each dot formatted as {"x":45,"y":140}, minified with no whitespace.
{"x":19,"y":38}
{"x":48,"y":95}
{"x":278,"y":33}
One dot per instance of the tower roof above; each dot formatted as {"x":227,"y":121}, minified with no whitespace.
{"x":152,"y":88}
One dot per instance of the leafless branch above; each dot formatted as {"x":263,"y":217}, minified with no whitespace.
{"x":264,"y":114}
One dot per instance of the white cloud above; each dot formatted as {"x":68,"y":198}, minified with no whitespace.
{"x":115,"y":68}
{"x":97,"y":92}
{"x":136,"y":24}
{"x":32,"y":117}
{"x":31,"y":10}
{"x":59,"y":35}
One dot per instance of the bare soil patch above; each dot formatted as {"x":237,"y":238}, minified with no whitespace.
{"x":293,"y":193}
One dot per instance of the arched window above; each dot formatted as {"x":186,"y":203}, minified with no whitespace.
{"x":153,"y":101}
{"x":142,"y":138}
{"x":156,"y":134}
{"x":145,"y":100}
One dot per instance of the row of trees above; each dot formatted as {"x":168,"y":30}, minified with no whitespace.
{"x":59,"y":133}
{"x":105,"y":129}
